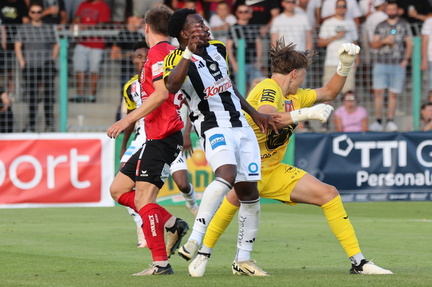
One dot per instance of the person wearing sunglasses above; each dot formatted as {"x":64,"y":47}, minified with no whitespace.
{"x":350,"y":117}
{"x":36,"y":50}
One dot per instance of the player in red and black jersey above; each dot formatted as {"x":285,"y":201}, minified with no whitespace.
{"x":148,"y":168}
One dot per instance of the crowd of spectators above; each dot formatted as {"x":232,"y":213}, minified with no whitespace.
{"x":310,"y":24}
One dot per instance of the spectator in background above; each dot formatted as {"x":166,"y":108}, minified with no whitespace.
{"x":353,"y":10}
{"x":426,"y":116}
{"x":36,"y":49}
{"x":333,"y":33}
{"x":71,"y":7}
{"x":221,"y":21}
{"x":250,"y":34}
{"x":211,"y":6}
{"x":122,"y":50}
{"x":415,"y":12}
{"x":349,"y":117}
{"x":293,"y":26}
{"x":54,"y":12}
{"x":368,"y":30}
{"x":6,"y":114}
{"x":89,"y":50}
{"x":312,"y":8}
{"x":427,"y":52}
{"x":263,"y":13}
{"x":13,"y":13}
{"x":140,"y":7}
{"x":393,"y":40}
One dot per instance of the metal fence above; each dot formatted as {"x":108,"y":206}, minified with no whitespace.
{"x":97,"y":116}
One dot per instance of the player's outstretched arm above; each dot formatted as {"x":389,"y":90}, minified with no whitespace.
{"x":347,"y":54}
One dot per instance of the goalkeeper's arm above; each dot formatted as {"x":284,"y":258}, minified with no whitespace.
{"x":319,"y":112}
{"x":347,"y":54}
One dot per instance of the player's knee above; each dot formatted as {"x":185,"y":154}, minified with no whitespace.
{"x":115,"y":193}
{"x":330,"y":192}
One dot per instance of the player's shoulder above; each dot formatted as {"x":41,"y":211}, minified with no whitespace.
{"x":268,"y":84}
{"x":306,"y":92}
{"x":131,"y":80}
{"x":160,"y":50}
{"x":216,"y":43}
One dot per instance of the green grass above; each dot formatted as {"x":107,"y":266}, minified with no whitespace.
{"x":96,"y":247}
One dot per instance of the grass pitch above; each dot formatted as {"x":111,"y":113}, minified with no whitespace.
{"x":96,"y":247}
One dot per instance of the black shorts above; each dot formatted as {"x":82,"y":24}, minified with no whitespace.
{"x":151,"y":163}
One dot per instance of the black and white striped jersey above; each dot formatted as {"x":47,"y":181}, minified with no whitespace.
{"x":208,"y":88}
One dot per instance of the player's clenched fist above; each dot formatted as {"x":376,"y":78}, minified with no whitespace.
{"x":347,"y":54}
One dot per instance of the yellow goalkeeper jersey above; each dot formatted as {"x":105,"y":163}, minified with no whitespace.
{"x":273,"y":146}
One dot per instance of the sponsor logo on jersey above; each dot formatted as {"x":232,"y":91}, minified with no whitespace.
{"x":220,"y":86}
{"x":253,"y":168}
{"x":217,"y":140}
{"x":157,"y":68}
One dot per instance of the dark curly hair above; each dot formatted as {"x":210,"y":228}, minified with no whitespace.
{"x":177,"y":21}
{"x":140,"y":45}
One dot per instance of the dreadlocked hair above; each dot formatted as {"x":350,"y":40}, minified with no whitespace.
{"x":284,"y":58}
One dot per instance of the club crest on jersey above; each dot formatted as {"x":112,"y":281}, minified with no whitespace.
{"x":213,"y":67}
{"x":217,"y":140}
{"x":289,"y":106}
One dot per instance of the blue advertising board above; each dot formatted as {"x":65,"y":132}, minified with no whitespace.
{"x":370,"y":166}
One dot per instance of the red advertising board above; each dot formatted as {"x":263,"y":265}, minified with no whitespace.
{"x":39,"y":170}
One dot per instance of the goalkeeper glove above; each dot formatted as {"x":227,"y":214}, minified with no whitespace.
{"x":319,"y":112}
{"x":347,"y":54}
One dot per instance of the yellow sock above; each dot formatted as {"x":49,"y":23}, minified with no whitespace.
{"x":341,"y":225}
{"x":219,"y":223}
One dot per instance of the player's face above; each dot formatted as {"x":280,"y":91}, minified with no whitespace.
{"x":139,"y":58}
{"x":194,"y":19}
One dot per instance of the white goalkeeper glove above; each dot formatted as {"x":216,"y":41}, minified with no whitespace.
{"x":319,"y":112}
{"x":347,"y":54}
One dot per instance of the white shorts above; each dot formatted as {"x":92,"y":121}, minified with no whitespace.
{"x":135,"y":145}
{"x":179,"y":163}
{"x":237,"y":146}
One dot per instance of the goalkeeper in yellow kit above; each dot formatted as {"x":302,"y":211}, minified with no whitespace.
{"x":281,"y":94}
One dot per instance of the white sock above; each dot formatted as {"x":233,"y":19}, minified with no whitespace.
{"x":190,"y":197}
{"x":206,"y":250}
{"x":357,"y":258}
{"x":136,"y":217}
{"x":249,"y":219}
{"x":212,"y":198}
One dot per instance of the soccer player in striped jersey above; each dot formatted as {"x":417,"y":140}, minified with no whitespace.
{"x":285,"y":183}
{"x":199,"y":68}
